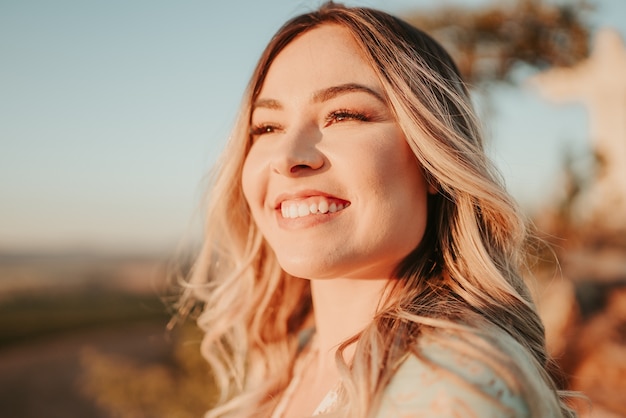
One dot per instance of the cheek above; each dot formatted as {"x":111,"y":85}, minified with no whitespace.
{"x":247,"y":180}
{"x":403,"y":193}
{"x":254,"y":178}
{"x":251,"y":179}
{"x":393,"y":169}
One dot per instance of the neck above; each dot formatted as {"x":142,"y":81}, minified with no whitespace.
{"x":343,"y":308}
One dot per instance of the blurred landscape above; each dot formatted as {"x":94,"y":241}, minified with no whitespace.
{"x":85,"y":335}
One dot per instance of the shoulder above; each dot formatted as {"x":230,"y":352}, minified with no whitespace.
{"x":442,"y":382}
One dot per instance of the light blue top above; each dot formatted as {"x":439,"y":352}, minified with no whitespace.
{"x":444,"y":383}
{"x":449,"y":385}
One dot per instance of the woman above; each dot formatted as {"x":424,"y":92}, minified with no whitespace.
{"x":361,"y":258}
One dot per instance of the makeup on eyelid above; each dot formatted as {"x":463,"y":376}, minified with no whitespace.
{"x":342,"y":115}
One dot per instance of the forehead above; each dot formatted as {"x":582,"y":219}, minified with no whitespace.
{"x":325,"y":56}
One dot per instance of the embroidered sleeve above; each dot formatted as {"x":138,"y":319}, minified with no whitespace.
{"x":468,"y":388}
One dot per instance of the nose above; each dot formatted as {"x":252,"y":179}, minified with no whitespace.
{"x":298,"y":153}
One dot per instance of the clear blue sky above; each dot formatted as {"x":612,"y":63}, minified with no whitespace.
{"x":112,"y":111}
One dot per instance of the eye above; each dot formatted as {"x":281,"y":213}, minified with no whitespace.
{"x":343,"y":115}
{"x":263,"y":129}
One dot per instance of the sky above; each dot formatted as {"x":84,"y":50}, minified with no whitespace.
{"x":112,"y":112}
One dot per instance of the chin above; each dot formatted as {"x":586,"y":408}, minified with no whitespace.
{"x":305,"y":270}
{"x":314,"y":269}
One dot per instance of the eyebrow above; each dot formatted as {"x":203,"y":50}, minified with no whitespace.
{"x":324,"y":95}
{"x":332,"y":92}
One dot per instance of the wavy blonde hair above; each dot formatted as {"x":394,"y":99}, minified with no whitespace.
{"x":463,"y":279}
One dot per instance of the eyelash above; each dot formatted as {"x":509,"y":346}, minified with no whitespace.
{"x":345,"y":114}
{"x":335,"y":116}
{"x":263,"y":128}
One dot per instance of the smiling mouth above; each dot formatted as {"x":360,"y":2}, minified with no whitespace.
{"x":311,"y":206}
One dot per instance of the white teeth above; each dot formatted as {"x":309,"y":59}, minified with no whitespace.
{"x":298,"y":210}
{"x":303,"y":210}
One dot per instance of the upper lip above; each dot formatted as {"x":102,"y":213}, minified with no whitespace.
{"x":302,"y":194}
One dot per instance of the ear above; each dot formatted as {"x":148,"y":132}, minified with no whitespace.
{"x":433,"y":186}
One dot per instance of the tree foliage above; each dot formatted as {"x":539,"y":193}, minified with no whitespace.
{"x":487,"y":43}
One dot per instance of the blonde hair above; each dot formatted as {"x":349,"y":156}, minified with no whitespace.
{"x":463,"y":279}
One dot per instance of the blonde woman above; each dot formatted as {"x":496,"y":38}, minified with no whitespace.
{"x":361,"y":258}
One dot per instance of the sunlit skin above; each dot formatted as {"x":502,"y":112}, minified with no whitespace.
{"x":322,"y":129}
{"x":323,"y":135}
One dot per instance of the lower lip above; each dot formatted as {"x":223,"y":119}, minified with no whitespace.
{"x":306,"y":221}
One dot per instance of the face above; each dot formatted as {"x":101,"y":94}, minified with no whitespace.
{"x":330,"y":179}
